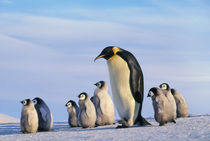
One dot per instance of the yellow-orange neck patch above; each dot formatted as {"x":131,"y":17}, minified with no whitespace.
{"x":115,"y":49}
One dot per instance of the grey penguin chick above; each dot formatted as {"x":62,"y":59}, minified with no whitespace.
{"x":162,"y":107}
{"x":44,"y":115}
{"x":167,"y":91}
{"x":29,"y":117}
{"x":181,"y":104}
{"x":87,"y":116}
{"x":73,"y":111}
{"x":103,"y":104}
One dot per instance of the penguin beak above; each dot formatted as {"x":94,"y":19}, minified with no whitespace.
{"x":21,"y":102}
{"x":99,"y":56}
{"x":95,"y":84}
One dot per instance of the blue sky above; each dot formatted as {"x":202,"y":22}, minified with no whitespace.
{"x":47,"y":48}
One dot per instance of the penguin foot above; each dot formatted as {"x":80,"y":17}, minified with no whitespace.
{"x":173,"y":121}
{"x":161,"y":124}
{"x":122,"y":126}
{"x":122,"y":122}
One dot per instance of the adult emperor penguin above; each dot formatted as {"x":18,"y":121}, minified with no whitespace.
{"x":127,"y":84}
{"x":44,"y":115}
{"x":167,"y":91}
{"x":161,"y":105}
{"x":29,"y":118}
{"x":73,"y":111}
{"x":87,"y":116}
{"x":103,"y":104}
{"x":181,"y":104}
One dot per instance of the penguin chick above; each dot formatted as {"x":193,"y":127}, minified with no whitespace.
{"x":29,"y":118}
{"x":87,"y":116}
{"x":162,"y":107}
{"x":103,"y":104}
{"x":181,"y":104}
{"x":73,"y":111}
{"x":167,"y":91}
{"x":44,"y":115}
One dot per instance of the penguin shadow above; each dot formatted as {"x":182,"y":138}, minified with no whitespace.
{"x":60,"y":126}
{"x":191,"y":115}
{"x":9,"y":128}
{"x":64,"y":126}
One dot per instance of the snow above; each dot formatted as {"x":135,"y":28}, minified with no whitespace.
{"x":6,"y":119}
{"x":194,"y":128}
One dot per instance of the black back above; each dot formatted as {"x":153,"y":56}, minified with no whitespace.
{"x":136,"y":82}
{"x":136,"y":75}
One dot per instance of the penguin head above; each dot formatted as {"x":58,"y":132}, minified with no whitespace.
{"x":100,"y":84}
{"x":108,"y":52}
{"x":70,"y":104}
{"x":83,"y":96}
{"x":152,"y":92}
{"x":37,"y":101}
{"x":164,"y":86}
{"x":26,"y":102}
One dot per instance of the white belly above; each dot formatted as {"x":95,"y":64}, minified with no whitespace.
{"x":119,"y":78}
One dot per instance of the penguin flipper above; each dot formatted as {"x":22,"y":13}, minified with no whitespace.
{"x":43,"y":114}
{"x":98,"y":105}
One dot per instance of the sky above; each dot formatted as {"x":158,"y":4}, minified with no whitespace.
{"x":47,"y":49}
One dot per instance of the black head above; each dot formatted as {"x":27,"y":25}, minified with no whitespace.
{"x":100,"y":84}
{"x":83,"y":96}
{"x":164,"y":86}
{"x":108,"y":52}
{"x":25,"y":102}
{"x":71,"y":103}
{"x":173,"y":91}
{"x":37,"y":101}
{"x":153,"y":91}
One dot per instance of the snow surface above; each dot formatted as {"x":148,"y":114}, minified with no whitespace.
{"x":195,"y":128}
{"x":7,"y":119}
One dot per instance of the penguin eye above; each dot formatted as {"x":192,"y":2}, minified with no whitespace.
{"x":151,"y":93}
{"x":99,"y":85}
{"x":35,"y":102}
{"x":24,"y":102}
{"x":82,"y":97}
{"x":69,"y":104}
{"x":164,"y":86}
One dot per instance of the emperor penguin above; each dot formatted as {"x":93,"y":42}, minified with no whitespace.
{"x":181,"y":104}
{"x":87,"y":116}
{"x":103,"y":104}
{"x":167,"y":91}
{"x":73,"y":111}
{"x":44,"y":115}
{"x":127,"y":84}
{"x":162,"y":107}
{"x":29,"y":117}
